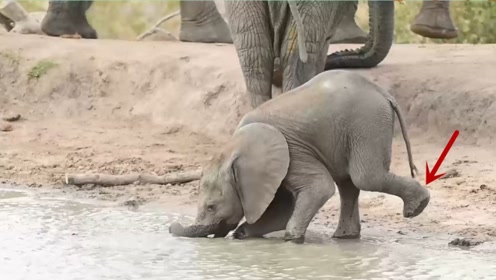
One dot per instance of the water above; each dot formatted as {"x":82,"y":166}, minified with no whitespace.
{"x":51,"y":239}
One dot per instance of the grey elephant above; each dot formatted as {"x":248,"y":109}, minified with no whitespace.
{"x":432,"y":21}
{"x":285,"y":157}
{"x":200,"y":21}
{"x":265,"y":30}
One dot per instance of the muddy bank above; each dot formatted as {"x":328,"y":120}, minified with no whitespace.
{"x":118,"y":107}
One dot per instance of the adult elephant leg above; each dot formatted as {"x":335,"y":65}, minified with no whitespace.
{"x":82,"y":25}
{"x":68,"y":18}
{"x":379,"y":41}
{"x":275,"y":218}
{"x":348,"y":31}
{"x":313,"y":186}
{"x":201,"y":22}
{"x":249,"y":24}
{"x":434,"y":21}
{"x":294,"y":71}
{"x":349,"y":215}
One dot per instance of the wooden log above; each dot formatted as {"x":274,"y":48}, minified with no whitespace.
{"x":127,"y":179}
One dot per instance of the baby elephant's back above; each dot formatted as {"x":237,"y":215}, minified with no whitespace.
{"x":328,"y":111}
{"x":333,"y":96}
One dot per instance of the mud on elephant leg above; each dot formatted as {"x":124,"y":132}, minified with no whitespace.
{"x":314,"y":187}
{"x":349,"y":216}
{"x":434,"y":21}
{"x":201,"y":22}
{"x":68,"y":18}
{"x":275,"y":218}
{"x":348,"y":31}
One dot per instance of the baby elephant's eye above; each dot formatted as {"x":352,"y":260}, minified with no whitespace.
{"x":210,"y":208}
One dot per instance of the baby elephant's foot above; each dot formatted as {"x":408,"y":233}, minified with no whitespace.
{"x":416,"y":202}
{"x":240,"y":232}
{"x":347,"y":232}
{"x":294,"y":238}
{"x":244,"y":232}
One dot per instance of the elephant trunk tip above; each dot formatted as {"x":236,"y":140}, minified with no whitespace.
{"x":176,"y":228}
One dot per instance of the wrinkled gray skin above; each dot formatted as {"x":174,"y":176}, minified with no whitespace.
{"x":200,"y":21}
{"x":282,"y":162}
{"x":263,"y":31}
{"x":348,"y":31}
{"x":432,"y":21}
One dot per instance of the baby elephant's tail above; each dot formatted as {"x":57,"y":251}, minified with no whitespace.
{"x":405,"y":136}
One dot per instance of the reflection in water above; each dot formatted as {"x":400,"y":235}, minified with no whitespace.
{"x":54,"y":239}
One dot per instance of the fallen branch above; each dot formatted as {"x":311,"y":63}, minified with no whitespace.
{"x":155,"y":28}
{"x":117,"y":180}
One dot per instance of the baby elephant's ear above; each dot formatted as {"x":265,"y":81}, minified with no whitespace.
{"x":260,"y":165}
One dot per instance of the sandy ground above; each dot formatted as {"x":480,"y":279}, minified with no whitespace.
{"x":118,"y":107}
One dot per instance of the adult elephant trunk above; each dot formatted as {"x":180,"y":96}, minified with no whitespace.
{"x":197,"y":230}
{"x":379,"y":42}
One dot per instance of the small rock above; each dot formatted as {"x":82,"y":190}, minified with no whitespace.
{"x":462,"y":242}
{"x":452,"y":173}
{"x":11,"y":117}
{"x":400,"y":232}
{"x":133,"y":204}
{"x":5,"y":127}
{"x":483,"y":187}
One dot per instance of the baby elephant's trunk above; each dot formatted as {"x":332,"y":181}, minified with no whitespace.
{"x":218,"y":230}
{"x":191,"y":231}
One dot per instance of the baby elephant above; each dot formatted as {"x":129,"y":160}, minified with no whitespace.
{"x":280,"y":166}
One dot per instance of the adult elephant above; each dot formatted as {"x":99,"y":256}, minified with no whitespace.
{"x":432,"y":21}
{"x":265,"y":30}
{"x":200,"y":21}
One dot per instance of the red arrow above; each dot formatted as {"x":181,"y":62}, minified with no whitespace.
{"x":431,"y":176}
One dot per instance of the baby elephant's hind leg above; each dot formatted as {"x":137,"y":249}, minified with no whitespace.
{"x":369,"y":171}
{"x":349,"y":216}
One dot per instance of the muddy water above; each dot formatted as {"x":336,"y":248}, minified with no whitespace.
{"x":51,"y":239}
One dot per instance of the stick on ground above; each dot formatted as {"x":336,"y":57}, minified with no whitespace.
{"x":117,"y":180}
{"x":155,"y":28}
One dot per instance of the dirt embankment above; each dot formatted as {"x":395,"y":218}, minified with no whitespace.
{"x":119,"y":107}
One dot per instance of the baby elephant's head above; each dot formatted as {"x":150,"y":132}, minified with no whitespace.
{"x":240,"y":181}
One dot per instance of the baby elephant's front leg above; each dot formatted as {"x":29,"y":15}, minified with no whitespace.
{"x":275,"y":218}
{"x":313,"y":187}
